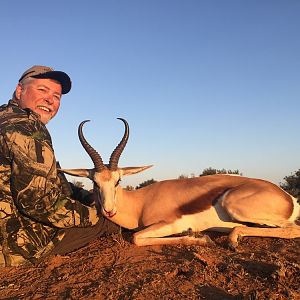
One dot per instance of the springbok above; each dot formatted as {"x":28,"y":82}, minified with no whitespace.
{"x":160,"y":211}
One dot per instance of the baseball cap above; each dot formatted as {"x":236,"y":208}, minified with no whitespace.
{"x":49,"y":73}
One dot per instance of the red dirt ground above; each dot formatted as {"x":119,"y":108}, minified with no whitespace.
{"x":113,"y":268}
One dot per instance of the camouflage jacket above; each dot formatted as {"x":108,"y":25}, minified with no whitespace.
{"x":34,"y":207}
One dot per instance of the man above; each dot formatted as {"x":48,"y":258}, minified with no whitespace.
{"x":40,"y":212}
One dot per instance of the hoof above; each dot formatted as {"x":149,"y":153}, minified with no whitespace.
{"x":233,"y":246}
{"x":205,"y":240}
{"x":209,"y":241}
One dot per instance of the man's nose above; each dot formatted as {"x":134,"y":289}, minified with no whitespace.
{"x":49,"y":99}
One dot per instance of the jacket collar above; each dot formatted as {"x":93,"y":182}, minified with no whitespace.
{"x":31,"y":114}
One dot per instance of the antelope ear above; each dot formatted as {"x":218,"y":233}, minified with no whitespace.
{"x":133,"y":170}
{"x":78,"y":172}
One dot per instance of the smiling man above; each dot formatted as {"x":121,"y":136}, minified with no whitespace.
{"x":40,"y":212}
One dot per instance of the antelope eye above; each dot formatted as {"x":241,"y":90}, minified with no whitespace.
{"x":118,"y":182}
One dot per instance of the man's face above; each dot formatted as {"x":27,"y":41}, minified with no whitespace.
{"x":40,"y":95}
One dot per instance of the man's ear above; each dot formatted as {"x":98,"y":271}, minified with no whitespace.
{"x":18,"y":91}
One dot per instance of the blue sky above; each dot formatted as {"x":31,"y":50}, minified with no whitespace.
{"x":201,"y":83}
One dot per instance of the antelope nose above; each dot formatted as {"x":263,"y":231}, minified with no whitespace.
{"x":110,"y":213}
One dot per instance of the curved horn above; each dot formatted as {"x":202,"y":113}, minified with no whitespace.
{"x":114,"y":158}
{"x":94,"y":155}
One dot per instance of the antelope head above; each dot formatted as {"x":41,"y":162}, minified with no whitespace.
{"x":106,"y":177}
